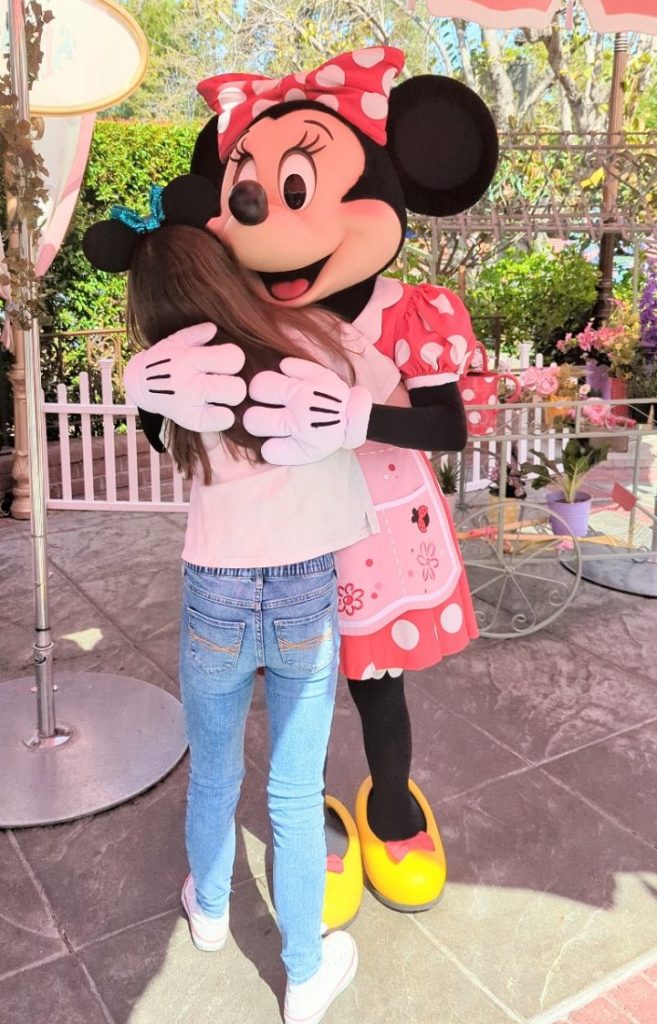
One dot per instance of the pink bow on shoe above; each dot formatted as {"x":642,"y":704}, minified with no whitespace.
{"x":399,"y":848}
{"x":335,"y":864}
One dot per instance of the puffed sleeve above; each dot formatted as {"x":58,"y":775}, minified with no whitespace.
{"x":434,"y":342}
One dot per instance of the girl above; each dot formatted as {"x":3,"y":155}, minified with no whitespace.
{"x":259,"y":578}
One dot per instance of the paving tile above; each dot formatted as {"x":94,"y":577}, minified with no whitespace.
{"x":638,"y":998}
{"x":153,"y":972}
{"x":54,"y":993}
{"x":538,"y":696}
{"x":78,"y":628}
{"x":618,"y":775}
{"x":144,"y":603}
{"x":599,"y":1012}
{"x":544,"y":896}
{"x":129,"y":863}
{"x":104,"y":546}
{"x":27,"y":931}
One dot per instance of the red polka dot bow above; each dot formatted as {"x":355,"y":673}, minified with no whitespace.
{"x":355,"y":85}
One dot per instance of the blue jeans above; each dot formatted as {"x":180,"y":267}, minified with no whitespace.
{"x":235,"y":620}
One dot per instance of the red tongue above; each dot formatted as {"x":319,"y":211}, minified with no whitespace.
{"x":286,"y":290}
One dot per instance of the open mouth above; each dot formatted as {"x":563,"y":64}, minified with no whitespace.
{"x":286,"y":285}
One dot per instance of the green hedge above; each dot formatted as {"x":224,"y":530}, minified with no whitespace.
{"x":539,"y":296}
{"x":126,"y":158}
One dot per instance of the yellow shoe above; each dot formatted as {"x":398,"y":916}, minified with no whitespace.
{"x":408,"y":875}
{"x":344,"y":875}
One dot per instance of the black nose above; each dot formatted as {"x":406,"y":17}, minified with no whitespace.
{"x":248,"y":203}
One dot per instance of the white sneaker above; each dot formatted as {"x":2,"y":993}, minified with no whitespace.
{"x":307,"y":1003}
{"x":208,"y":933}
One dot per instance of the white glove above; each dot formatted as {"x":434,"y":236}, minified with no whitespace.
{"x":318,"y":413}
{"x":187,"y":381}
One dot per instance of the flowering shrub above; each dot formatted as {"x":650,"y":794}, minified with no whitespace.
{"x":614,"y":345}
{"x":648,"y":318}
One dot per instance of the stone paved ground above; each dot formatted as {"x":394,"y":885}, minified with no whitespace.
{"x":539,"y":756}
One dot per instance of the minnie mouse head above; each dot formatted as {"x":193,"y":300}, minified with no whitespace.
{"x":110,"y":244}
{"x":315,"y":171}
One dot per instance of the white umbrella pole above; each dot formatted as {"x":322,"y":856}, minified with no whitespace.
{"x":126,"y":734}
{"x":43,"y":646}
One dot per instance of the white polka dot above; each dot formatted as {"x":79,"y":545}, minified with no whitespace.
{"x":301,"y":77}
{"x":489,"y":380}
{"x":431,"y":353}
{"x":223,"y":121}
{"x":459,"y":348}
{"x":468,"y":395}
{"x":492,"y":400}
{"x":489,"y":430}
{"x":329,"y":101}
{"x":474,"y":417}
{"x":231,"y":96}
{"x":374,"y":105}
{"x":388,"y":80}
{"x":261,"y":105}
{"x":265,"y":85}
{"x":330,"y":76}
{"x":443,"y":305}
{"x":402,"y":352}
{"x":451,"y":618}
{"x":405,"y":634}
{"x":294,"y":94}
{"x":370,"y":57}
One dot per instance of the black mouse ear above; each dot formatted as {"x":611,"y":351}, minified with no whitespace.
{"x":109,"y":245}
{"x":205,"y":158}
{"x":443,"y":142}
{"x":190,"y":199}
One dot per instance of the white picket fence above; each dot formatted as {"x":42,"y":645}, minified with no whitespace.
{"x":121,"y":472}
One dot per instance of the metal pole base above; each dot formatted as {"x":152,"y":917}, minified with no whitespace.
{"x":634,"y":574}
{"x":125,"y":735}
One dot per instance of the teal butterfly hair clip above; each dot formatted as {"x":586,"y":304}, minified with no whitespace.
{"x":142,"y":225}
{"x":110,"y":244}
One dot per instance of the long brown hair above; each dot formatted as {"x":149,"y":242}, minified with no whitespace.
{"x":180,"y":276}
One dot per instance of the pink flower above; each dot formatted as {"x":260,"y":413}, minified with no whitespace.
{"x":427,"y":559}
{"x":547,"y":384}
{"x":350,"y":599}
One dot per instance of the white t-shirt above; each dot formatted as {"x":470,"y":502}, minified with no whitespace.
{"x":260,"y":515}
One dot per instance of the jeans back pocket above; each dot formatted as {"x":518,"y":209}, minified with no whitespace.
{"x":308,"y":642}
{"x":214,"y":645}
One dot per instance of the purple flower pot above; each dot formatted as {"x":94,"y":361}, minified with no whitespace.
{"x":597,"y":378}
{"x":574,"y":513}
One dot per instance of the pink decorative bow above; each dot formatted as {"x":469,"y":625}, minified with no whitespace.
{"x":356,"y":85}
{"x":399,"y":848}
{"x":335,"y":864}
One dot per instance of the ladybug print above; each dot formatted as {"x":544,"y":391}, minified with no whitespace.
{"x":421,"y":518}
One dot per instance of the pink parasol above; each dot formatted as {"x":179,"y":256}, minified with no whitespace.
{"x":604,"y":15}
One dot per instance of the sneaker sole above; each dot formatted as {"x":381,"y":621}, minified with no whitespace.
{"x":350,"y":974}
{"x":202,"y":944}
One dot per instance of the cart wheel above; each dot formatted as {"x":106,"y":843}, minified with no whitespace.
{"x":516,"y":567}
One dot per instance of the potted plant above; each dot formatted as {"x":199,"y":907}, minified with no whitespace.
{"x":608,"y":352}
{"x":516,"y":483}
{"x":447,"y":472}
{"x":573,"y":505}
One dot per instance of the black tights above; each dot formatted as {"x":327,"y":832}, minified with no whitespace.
{"x":392,"y":812}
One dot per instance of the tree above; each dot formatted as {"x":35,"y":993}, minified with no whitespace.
{"x":554,"y":78}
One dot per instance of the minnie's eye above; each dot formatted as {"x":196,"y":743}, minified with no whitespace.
{"x":297,"y":180}
{"x":246,"y":171}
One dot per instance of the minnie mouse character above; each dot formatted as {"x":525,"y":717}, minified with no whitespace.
{"x":314,"y":175}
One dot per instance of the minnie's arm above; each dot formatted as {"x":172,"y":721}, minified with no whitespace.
{"x":436,"y":421}
{"x":151,"y":424}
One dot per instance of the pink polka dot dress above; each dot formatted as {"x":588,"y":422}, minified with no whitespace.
{"x":404,"y":600}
